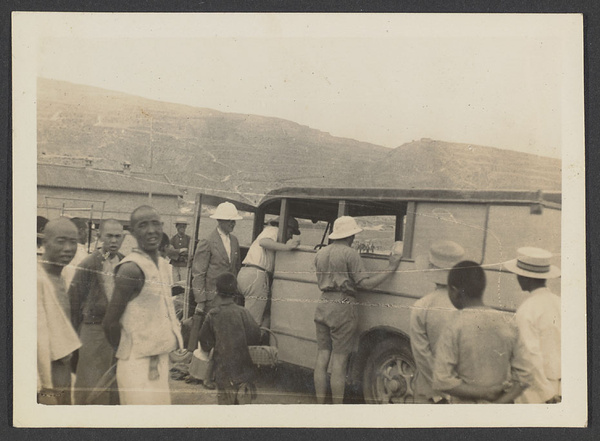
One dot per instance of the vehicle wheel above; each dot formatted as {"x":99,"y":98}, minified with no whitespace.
{"x":388,"y":373}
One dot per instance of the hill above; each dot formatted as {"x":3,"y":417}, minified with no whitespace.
{"x":200,"y":148}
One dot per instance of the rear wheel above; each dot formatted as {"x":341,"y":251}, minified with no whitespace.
{"x":388,"y":373}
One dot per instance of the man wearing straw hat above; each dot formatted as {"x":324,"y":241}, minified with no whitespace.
{"x":340,"y":273}
{"x":178,"y":251}
{"x":538,"y":320}
{"x":430,"y":316}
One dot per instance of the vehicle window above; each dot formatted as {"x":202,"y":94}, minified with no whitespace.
{"x":541,"y":230}
{"x":377,"y":236}
{"x":461,"y":223}
{"x":311,"y":233}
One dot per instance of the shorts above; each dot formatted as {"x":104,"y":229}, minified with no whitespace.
{"x":336,"y":321}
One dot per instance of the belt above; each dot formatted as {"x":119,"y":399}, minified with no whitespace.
{"x":338,"y":291}
{"x":249,"y":265}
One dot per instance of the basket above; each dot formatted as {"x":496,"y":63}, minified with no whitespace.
{"x":264,"y":355}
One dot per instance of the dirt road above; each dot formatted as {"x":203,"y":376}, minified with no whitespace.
{"x":282,"y":385}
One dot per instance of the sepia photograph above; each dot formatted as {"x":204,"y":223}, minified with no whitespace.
{"x":300,"y":217}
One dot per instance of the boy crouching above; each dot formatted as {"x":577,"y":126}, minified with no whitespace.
{"x":229,"y":329}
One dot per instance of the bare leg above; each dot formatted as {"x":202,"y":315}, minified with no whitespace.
{"x":320,"y":375}
{"x":338,"y":377}
{"x":153,"y":368}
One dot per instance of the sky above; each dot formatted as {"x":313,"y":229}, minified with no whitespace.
{"x":384,"y":79}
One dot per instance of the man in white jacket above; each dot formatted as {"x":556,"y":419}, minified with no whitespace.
{"x":57,"y":339}
{"x":538,"y":320}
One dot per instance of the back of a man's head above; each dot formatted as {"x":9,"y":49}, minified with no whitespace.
{"x":467,"y":277}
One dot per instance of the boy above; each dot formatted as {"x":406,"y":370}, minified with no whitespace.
{"x":229,"y":329}
{"x":476,"y":353}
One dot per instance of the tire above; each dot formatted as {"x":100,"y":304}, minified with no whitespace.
{"x":388,"y":373}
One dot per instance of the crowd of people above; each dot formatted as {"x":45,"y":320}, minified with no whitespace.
{"x":109,"y":321}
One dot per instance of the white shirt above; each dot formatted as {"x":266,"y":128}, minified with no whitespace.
{"x":538,"y":320}
{"x":429,"y":318}
{"x":226,"y":242}
{"x":108,"y":277}
{"x":260,"y":256}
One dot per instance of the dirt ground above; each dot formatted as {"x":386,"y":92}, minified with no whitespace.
{"x":281,"y":385}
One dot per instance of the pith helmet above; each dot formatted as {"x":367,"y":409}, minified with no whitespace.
{"x":343,"y":227}
{"x":226,"y":211}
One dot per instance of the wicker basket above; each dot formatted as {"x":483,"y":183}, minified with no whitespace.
{"x":264,"y":355}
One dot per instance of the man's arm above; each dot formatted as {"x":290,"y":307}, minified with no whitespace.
{"x":78,"y":292}
{"x":376,"y":279}
{"x":419,"y":341}
{"x":473,"y":392}
{"x":129,"y":281}
{"x":511,"y":394}
{"x":207,"y":335}
{"x":270,"y":244}
{"x":199,"y":270}
{"x":530,"y":356}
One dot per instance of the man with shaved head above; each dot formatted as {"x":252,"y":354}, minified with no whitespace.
{"x":141,"y":318}
{"x":89,"y":293}
{"x":57,"y":339}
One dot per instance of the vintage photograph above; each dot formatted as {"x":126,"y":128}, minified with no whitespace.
{"x":314,"y":214}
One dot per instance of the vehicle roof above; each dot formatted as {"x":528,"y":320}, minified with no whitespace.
{"x":321,"y":203}
{"x":432,"y":195}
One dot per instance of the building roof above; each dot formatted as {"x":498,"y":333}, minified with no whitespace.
{"x":86,"y":178}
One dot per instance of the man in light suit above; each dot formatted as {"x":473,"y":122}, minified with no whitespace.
{"x":217,"y":254}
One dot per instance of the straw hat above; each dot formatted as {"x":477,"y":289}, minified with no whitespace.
{"x":181,"y":220}
{"x":442,"y":256}
{"x":226,"y":211}
{"x":343,"y":227}
{"x":533,"y":262}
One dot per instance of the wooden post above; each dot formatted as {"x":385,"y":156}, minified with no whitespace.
{"x":411,"y":215}
{"x":259,"y":220}
{"x":187,"y":296}
{"x":342,"y":209}
{"x":284,"y":213}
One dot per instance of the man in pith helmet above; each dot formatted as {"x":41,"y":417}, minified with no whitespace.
{"x":340,"y":273}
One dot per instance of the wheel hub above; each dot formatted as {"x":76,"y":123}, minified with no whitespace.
{"x":395,"y":380}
